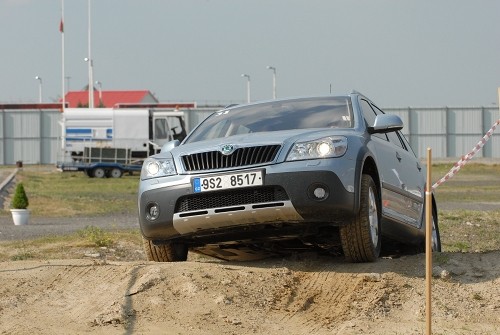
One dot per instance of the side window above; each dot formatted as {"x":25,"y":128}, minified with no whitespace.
{"x":370,"y":115}
{"x":394,"y":139}
{"x":377,"y":110}
{"x":368,"y":112}
{"x":406,"y":143}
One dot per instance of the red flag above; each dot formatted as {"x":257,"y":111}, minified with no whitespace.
{"x":61,"y":26}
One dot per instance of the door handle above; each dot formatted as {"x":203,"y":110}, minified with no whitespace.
{"x":398,"y":156}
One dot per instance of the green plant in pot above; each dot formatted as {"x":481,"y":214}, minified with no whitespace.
{"x":19,"y":206}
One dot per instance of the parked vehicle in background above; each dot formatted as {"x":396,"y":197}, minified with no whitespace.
{"x":107,"y":142}
{"x":331,"y":172}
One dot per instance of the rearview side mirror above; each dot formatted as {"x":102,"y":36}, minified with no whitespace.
{"x":385,"y":123}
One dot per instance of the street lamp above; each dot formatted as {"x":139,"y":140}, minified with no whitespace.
{"x":248,"y":86}
{"x":39,"y":88}
{"x":274,"y":79}
{"x":99,"y":85}
{"x":91,"y":82}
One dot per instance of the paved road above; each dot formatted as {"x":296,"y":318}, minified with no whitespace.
{"x":39,"y":227}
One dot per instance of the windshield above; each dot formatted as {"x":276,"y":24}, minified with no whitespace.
{"x":328,"y":112}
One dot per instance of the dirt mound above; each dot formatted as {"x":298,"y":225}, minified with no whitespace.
{"x":311,"y":295}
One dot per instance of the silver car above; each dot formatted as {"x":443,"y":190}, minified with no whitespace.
{"x":331,"y":172}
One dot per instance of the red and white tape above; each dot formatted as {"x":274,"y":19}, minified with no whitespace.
{"x":458,"y":165}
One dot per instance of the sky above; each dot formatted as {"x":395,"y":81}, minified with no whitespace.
{"x":419,"y":53}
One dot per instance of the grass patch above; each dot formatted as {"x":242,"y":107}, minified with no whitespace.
{"x":22,"y":255}
{"x":96,"y":236}
{"x":59,"y":194}
{"x":440,"y":258}
{"x":466,"y":231}
{"x":474,"y":183}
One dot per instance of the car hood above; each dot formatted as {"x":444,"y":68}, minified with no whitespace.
{"x":284,"y":138}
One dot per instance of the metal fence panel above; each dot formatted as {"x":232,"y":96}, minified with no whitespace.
{"x":448,"y":131}
{"x":464,"y":121}
{"x":22,"y":149}
{"x":494,"y":146}
{"x":436,"y":143}
{"x":29,"y":136}
{"x":33,"y":136}
{"x":404,"y":114}
{"x":50,"y":130}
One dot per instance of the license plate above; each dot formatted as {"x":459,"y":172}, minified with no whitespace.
{"x":227,"y":181}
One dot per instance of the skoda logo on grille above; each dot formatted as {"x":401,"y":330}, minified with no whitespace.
{"x":227,"y":149}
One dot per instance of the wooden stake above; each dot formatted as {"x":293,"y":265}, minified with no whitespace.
{"x":428,"y":244}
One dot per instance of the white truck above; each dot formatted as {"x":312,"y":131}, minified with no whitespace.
{"x":106,"y":142}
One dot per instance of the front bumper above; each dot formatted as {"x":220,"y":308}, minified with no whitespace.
{"x":286,"y":197}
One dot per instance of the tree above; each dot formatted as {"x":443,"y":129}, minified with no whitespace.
{"x":20,"y":199}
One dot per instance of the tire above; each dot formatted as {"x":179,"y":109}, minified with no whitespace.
{"x":169,"y":252}
{"x":99,"y":173}
{"x":436,"y":237}
{"x":361,"y":239}
{"x":115,"y":173}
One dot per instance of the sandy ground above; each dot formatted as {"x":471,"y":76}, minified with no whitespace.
{"x":309,"y":294}
{"x":305,"y":294}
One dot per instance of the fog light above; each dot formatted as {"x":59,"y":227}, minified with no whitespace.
{"x":152,"y":211}
{"x":318,"y":191}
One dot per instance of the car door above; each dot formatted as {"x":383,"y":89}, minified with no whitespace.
{"x":402,"y":200}
{"x":402,"y":194}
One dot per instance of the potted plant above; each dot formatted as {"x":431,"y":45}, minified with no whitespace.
{"x":19,"y":205}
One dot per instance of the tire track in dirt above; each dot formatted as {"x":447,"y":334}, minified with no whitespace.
{"x":203,"y":297}
{"x":323,"y":298}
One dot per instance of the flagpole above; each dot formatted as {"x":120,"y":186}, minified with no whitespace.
{"x":91,"y":80}
{"x":61,"y":29}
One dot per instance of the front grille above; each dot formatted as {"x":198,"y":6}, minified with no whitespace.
{"x":214,"y":160}
{"x":230,"y":198}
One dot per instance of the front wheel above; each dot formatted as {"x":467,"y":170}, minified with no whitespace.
{"x":361,"y":239}
{"x":168,"y":252}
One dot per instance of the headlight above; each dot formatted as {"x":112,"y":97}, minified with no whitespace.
{"x":327,"y":147}
{"x":154,"y":168}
